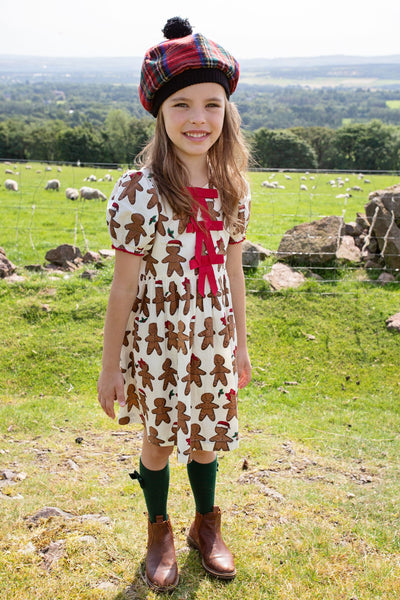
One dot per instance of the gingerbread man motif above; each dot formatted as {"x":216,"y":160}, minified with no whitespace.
{"x":219,"y":370}
{"x":187,"y":296}
{"x":159,"y":299}
{"x":135,"y":229}
{"x":231,"y":405}
{"x":173,"y":297}
{"x":161,"y":411}
{"x":150,"y":262}
{"x":168,"y":374}
{"x":194,"y":373}
{"x":221,"y":439}
{"x":207,"y":333}
{"x":152,"y":437}
{"x":182,"y":338}
{"x":174,"y":259}
{"x":153,"y":340}
{"x":183,"y":418}
{"x":195,"y":437}
{"x":131,"y":187}
{"x":171,"y":335}
{"x":112,"y":223}
{"x":207,"y":407}
{"x":147,"y":377}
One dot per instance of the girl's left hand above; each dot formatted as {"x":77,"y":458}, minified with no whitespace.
{"x":244,"y":368}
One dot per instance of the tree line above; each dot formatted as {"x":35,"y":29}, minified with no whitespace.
{"x":285,"y":127}
{"x":357,"y":146}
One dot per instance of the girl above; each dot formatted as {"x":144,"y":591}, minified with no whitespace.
{"x":177,"y":301}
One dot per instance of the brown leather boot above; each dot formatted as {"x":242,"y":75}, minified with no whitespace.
{"x":205,"y":536}
{"x":161,"y":568}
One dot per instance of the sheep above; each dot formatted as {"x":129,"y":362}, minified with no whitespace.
{"x":53,"y":184}
{"x":71,"y":194}
{"x":90,"y":178}
{"x":108,"y":177}
{"x":270,"y":184}
{"x":88,"y":193}
{"x":356,"y":188}
{"x":288,"y":177}
{"x":10,"y":184}
{"x":9,"y":172}
{"x":367,"y":181}
{"x":303,"y":188}
{"x":48,"y":169}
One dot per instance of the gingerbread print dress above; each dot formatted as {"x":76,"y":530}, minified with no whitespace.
{"x":178,"y":355}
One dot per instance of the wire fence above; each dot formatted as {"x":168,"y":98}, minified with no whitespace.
{"x":284,"y":204}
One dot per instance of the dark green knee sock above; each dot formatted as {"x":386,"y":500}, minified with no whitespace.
{"x":155,"y":485}
{"x":202,"y":481}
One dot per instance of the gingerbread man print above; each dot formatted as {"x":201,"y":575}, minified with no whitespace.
{"x":219,"y":370}
{"x":131,"y":187}
{"x":153,"y":340}
{"x":161,"y":411}
{"x":174,"y":259}
{"x":207,"y":407}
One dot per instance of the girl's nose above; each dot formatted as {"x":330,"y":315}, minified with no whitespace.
{"x":197,"y":116}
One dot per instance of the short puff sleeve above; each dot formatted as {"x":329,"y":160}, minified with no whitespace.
{"x":238,"y":231}
{"x":132,"y":213}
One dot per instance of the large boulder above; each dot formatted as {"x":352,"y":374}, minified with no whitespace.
{"x":312,"y":244}
{"x":383,"y":213}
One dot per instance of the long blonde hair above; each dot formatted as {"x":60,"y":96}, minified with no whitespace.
{"x":227,"y":162}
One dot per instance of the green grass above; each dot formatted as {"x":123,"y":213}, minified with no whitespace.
{"x":314,"y":517}
{"x":393,"y":104}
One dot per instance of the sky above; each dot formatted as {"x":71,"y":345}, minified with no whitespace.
{"x":248,"y":28}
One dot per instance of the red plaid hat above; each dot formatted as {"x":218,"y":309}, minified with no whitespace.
{"x":184,"y":59}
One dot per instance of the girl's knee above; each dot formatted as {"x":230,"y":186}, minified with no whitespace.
{"x":155,"y":457}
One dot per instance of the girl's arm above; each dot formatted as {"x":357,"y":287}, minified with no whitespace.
{"x":238,"y":292}
{"x":110,"y":386}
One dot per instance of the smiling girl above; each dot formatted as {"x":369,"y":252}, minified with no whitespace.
{"x":175,"y":349}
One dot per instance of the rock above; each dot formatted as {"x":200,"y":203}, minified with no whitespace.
{"x":47,"y":512}
{"x":383,"y":213}
{"x":386,"y":278}
{"x":7,"y":268}
{"x":348,"y":251}
{"x":282,"y":277}
{"x":91,"y":257}
{"x":64,"y":255}
{"x":89,"y":274}
{"x":312,"y":244}
{"x":393,"y":322}
{"x":105,"y":253}
{"x":53,"y":553}
{"x":250,"y":255}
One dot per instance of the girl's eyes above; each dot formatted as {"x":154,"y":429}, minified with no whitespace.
{"x":184,"y":105}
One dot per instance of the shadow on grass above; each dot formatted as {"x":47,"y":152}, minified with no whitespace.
{"x":191,"y":575}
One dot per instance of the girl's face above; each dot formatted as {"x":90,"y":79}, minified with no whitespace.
{"x":193,"y":118}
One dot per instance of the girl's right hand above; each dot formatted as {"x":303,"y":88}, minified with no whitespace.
{"x":110,"y":389}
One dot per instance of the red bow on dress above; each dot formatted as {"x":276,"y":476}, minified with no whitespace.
{"x":205,"y":262}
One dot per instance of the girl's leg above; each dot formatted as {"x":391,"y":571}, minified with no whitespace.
{"x":161,"y":572}
{"x":202,"y":473}
{"x":154,"y":470}
{"x":205,"y":532}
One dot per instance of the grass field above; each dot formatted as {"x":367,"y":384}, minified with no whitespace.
{"x":315,"y":514}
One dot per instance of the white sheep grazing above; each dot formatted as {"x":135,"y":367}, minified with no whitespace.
{"x":303,"y":188}
{"x":288,"y":177}
{"x":108,"y":177}
{"x":90,"y":178}
{"x":270,"y":184}
{"x":71,"y":194}
{"x":88,"y":193}
{"x":53,"y":184}
{"x":10,"y":184}
{"x":356,"y":188}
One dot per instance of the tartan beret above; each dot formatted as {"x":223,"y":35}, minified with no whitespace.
{"x":182,"y":61}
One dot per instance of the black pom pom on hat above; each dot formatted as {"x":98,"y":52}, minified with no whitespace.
{"x":176,"y":27}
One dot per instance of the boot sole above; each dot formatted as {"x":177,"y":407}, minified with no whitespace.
{"x":216,"y":574}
